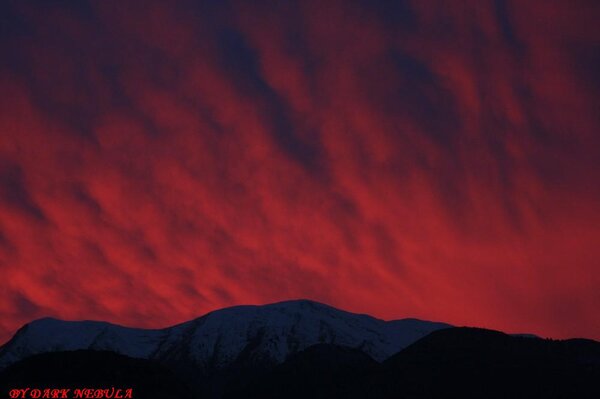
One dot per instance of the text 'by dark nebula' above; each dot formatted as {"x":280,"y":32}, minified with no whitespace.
{"x":439,"y":160}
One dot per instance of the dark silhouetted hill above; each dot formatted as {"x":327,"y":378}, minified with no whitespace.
{"x":478,"y":363}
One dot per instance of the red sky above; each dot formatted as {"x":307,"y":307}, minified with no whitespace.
{"x":425,"y":159}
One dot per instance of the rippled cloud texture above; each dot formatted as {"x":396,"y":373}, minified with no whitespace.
{"x":438,"y":160}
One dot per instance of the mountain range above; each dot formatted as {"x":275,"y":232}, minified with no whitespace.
{"x":302,"y":349}
{"x":268,"y":333}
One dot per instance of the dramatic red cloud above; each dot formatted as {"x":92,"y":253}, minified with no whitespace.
{"x":405,"y":159}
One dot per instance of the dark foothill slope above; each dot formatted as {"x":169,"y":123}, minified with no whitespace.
{"x":321,"y":371}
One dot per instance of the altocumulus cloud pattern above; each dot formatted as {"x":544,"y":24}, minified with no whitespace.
{"x":432,"y":159}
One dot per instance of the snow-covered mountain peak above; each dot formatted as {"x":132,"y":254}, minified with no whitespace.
{"x":268,"y":333}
